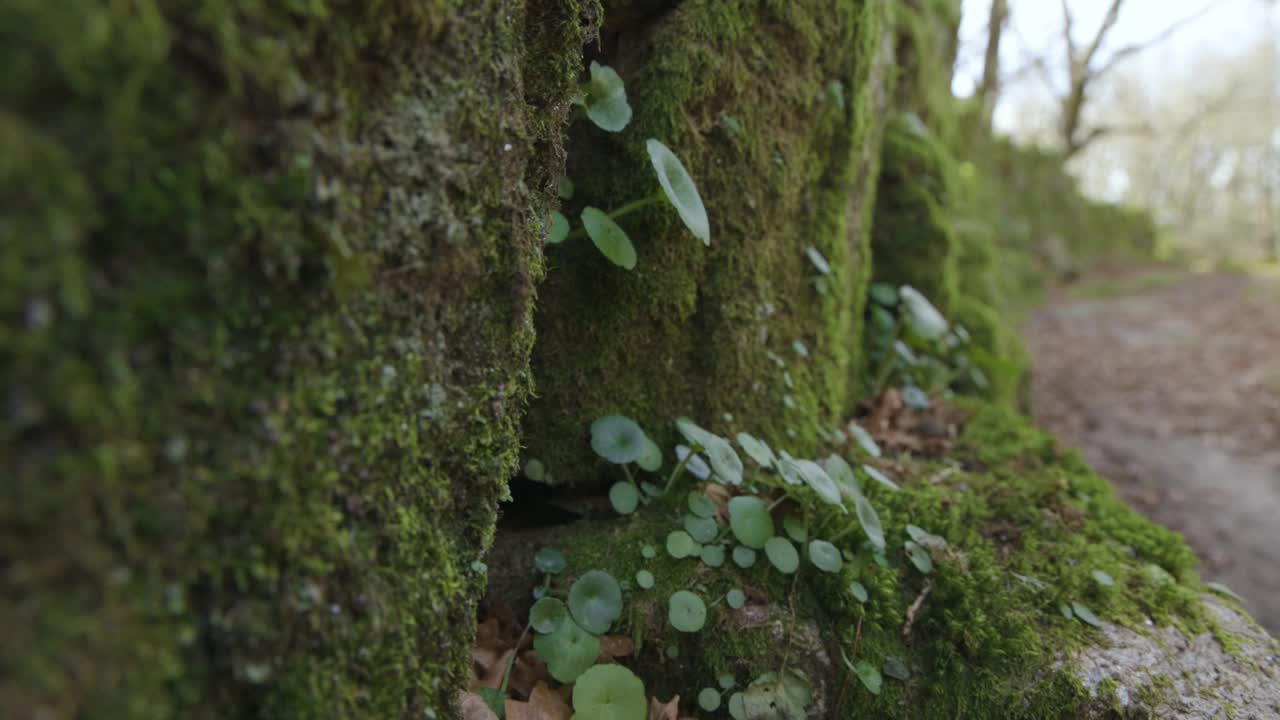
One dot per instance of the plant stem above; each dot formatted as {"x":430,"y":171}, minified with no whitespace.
{"x":636,"y":205}
{"x":515,"y":652}
{"x":844,"y":532}
{"x":627,"y":470}
{"x":890,"y":361}
{"x":778,"y":502}
{"x":671,"y":481}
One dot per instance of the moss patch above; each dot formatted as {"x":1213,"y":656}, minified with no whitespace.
{"x":772,"y":107}
{"x":267,"y":278}
{"x":1026,"y":525}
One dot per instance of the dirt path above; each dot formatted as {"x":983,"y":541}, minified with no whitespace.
{"x":1170,"y":384}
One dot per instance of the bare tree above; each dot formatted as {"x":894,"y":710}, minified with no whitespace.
{"x":1085,"y":67}
{"x":989,"y":90}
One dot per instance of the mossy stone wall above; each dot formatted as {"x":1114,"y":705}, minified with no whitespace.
{"x":267,"y":273}
{"x":775,"y":108}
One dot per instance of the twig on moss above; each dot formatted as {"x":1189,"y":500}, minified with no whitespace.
{"x":857,"y":636}
{"x":915,"y":608}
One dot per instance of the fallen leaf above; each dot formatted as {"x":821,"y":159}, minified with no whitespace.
{"x":613,"y":647}
{"x":543,"y":704}
{"x":473,"y":707}
{"x":528,"y":672}
{"x":660,"y":711}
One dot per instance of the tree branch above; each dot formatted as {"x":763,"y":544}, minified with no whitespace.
{"x":1108,"y":22}
{"x":1131,"y":50}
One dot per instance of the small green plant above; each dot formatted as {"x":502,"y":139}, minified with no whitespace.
{"x":912,"y":346}
{"x":675,"y":186}
{"x":604,"y":98}
{"x":687,"y":612}
{"x":609,"y":692}
{"x":619,"y":440}
{"x":595,"y":601}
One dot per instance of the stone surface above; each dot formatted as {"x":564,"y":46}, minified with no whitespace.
{"x":1167,"y":675}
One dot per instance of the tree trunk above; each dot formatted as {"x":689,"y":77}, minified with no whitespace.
{"x":989,"y":89}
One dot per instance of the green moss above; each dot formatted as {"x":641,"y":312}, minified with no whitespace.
{"x":1026,"y":526}
{"x":912,"y":241}
{"x":689,"y":330}
{"x":265,"y":363}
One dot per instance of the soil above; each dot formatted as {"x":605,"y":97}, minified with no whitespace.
{"x":1169,"y":383}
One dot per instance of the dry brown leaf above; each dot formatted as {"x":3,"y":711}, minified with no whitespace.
{"x":544,"y":704}
{"x":664,"y":711}
{"x":473,"y":707}
{"x":719,"y":497}
{"x":490,"y":676}
{"x":528,"y":671}
{"x":615,"y":646}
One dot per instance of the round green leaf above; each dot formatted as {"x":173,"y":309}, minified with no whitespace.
{"x":700,"y":505}
{"x":609,"y":692}
{"x":644,"y":579}
{"x":880,"y":477}
{"x":895,"y":667}
{"x":617,"y":439}
{"x":546,"y":615}
{"x":624,"y":497}
{"x":680,"y":544}
{"x":818,"y":480}
{"x":702,"y":530}
{"x":680,"y":190}
{"x":789,"y":468}
{"x":795,"y":528}
{"x":735,"y":598}
{"x":550,"y":561}
{"x":568,"y":651}
{"x":883,"y":294}
{"x":687,"y":612}
{"x":914,"y":398}
{"x":709,"y":699}
{"x":843,"y":476}
{"x":595,"y":601}
{"x":819,"y":261}
{"x":565,"y":188}
{"x":756,"y":449}
{"x":750,"y":521}
{"x":744,"y":557}
{"x":713,"y":555}
{"x":559,"y":228}
{"x":725,"y":681}
{"x":919,"y":557}
{"x":696,"y":466}
{"x":605,"y":99}
{"x":737,"y":708}
{"x":610,"y":239}
{"x":858,"y":590}
{"x":924,"y":317}
{"x":672,"y":652}
{"x":865,"y":441}
{"x":535,"y":470}
{"x":825,"y":556}
{"x":651,"y":460}
{"x":1085,"y":615}
{"x":870,"y":676}
{"x":870,"y":522}
{"x":724,"y":460}
{"x":648,"y":552}
{"x":782,"y":554}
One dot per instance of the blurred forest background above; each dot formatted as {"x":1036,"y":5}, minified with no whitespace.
{"x":1167,"y":105}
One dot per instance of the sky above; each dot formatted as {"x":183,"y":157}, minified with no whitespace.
{"x":1036,"y":26}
